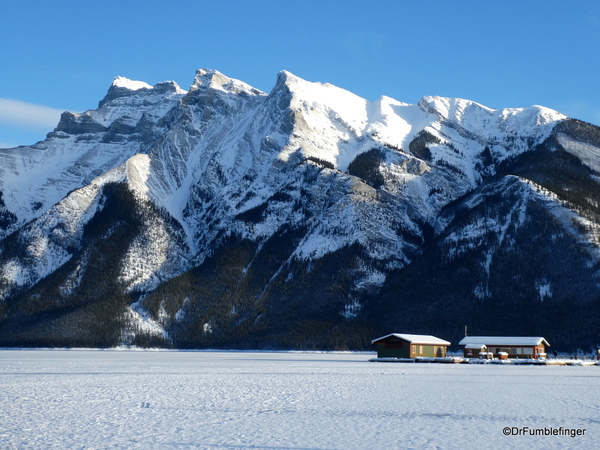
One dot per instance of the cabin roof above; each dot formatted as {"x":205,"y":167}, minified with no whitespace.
{"x":476,"y":346}
{"x":502,"y":340}
{"x":414,"y":339}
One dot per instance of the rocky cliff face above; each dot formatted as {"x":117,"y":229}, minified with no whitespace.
{"x":303,"y":218}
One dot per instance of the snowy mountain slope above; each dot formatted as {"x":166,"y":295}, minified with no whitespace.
{"x":511,"y":256}
{"x":83,"y":146}
{"x":231,"y":198}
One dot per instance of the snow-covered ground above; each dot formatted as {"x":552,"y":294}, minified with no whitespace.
{"x":90,"y":399}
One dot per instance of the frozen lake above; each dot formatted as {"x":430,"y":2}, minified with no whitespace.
{"x":80,"y":399}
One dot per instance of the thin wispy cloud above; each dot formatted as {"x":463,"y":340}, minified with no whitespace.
{"x":28,"y":116}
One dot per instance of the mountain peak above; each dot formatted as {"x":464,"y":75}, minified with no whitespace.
{"x":123,"y":87}
{"x":285,"y":77}
{"x":475,"y":116}
{"x":131,"y":85}
{"x":213,"y":79}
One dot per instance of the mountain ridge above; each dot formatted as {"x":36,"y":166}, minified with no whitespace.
{"x":225,"y":185}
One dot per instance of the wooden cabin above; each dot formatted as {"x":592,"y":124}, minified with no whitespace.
{"x":523,"y":347}
{"x":398,"y":345}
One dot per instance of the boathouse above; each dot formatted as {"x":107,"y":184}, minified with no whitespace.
{"x":398,"y":345}
{"x":498,"y":346}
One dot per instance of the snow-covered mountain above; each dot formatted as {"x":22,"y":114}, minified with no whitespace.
{"x":225,"y":216}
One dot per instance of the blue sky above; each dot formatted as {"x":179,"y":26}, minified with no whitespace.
{"x":63,"y":55}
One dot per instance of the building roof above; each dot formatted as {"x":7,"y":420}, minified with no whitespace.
{"x":502,"y":340}
{"x":476,"y":346}
{"x":414,"y":339}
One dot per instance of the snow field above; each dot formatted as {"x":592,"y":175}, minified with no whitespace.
{"x":241,"y":400}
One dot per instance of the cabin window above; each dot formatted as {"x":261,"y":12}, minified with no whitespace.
{"x":517,"y":351}
{"x":528,"y":351}
{"x":393,"y":345}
